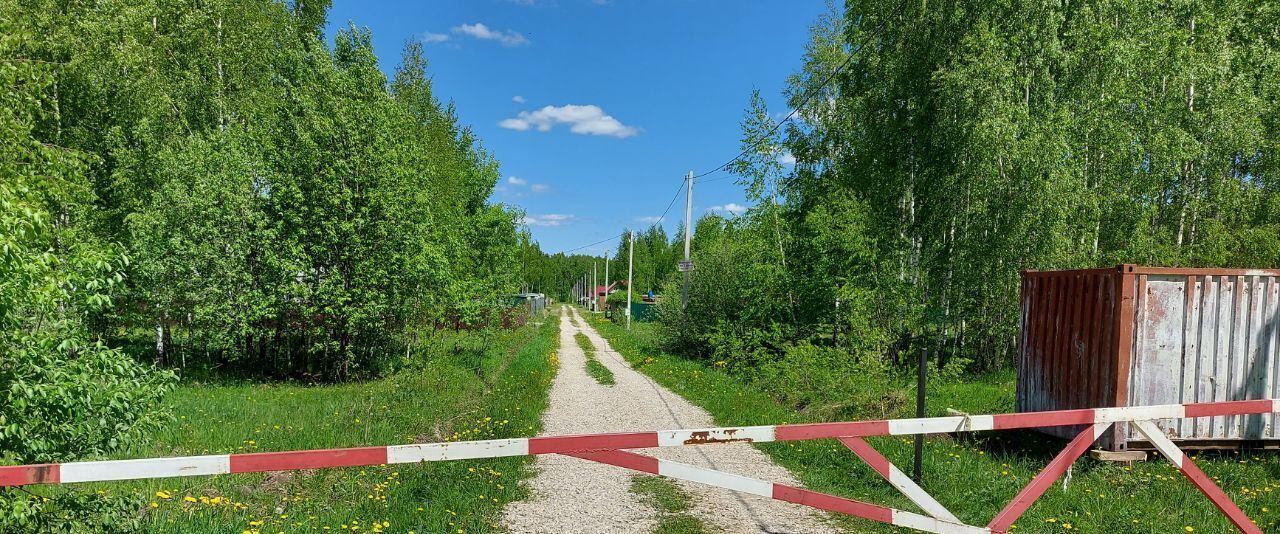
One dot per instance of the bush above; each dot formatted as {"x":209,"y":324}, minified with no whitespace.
{"x":54,"y":409}
{"x":64,"y":395}
{"x":829,"y":384}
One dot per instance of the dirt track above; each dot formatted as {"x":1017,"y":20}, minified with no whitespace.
{"x":577,"y":496}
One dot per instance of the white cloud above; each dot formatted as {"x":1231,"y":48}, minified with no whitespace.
{"x":429,"y":37}
{"x":787,"y":159}
{"x":652,"y":219}
{"x":521,"y":182}
{"x":480,"y":31}
{"x":730,"y":208}
{"x":517,"y":99}
{"x":550,"y":219}
{"x":586,"y":120}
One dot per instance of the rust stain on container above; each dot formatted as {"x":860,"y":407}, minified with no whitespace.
{"x":1133,"y":336}
{"x":705,"y":438}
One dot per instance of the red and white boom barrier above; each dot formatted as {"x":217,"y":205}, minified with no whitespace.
{"x":608,"y":449}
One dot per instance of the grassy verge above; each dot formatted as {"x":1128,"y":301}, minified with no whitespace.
{"x":671,"y":502}
{"x":497,"y":394}
{"x":977,"y":476}
{"x":596,"y":369}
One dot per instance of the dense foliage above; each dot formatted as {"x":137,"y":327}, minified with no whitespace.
{"x":214,"y":185}
{"x":288,"y":209}
{"x":958,"y":144}
{"x":964,"y":142}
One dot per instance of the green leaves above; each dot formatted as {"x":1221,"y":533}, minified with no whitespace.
{"x":965,"y":142}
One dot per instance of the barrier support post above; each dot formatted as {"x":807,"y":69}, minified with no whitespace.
{"x":1193,"y":473}
{"x":1046,"y":478}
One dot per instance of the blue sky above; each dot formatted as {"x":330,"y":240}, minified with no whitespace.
{"x":596,"y":109}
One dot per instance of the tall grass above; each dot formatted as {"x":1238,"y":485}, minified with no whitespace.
{"x":498,"y":392}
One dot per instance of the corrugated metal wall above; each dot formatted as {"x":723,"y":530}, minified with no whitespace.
{"x":1134,"y":336}
{"x":1068,"y":346}
{"x":1204,"y":338}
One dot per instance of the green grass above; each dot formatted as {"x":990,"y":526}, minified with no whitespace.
{"x":975,"y":477}
{"x":501,"y":395}
{"x":596,"y":369}
{"x":671,"y":502}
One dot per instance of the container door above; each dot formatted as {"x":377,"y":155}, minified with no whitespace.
{"x":1160,"y":314}
{"x":1206,"y":339}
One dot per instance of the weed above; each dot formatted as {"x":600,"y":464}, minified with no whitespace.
{"x":671,"y":502}
{"x":596,"y":369}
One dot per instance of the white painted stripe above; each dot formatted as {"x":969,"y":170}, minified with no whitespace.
{"x":676,"y":438}
{"x":150,"y":468}
{"x":918,"y":495}
{"x":461,"y":450}
{"x":1275,"y":405}
{"x":929,"y":524}
{"x":940,"y":425}
{"x":1160,"y":441}
{"x":1139,"y":413}
{"x":719,"y":479}
{"x":1099,"y":429}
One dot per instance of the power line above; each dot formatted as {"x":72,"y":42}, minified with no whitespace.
{"x":803,"y":102}
{"x":619,"y":236}
{"x":672,"y":203}
{"x":774,"y":129}
{"x":716,"y":179}
{"x":623,"y":234}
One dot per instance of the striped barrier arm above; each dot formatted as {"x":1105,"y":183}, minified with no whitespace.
{"x":608,"y":449}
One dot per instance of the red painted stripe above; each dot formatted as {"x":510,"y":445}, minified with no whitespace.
{"x":831,"y":503}
{"x":868,"y":454}
{"x":21,"y":475}
{"x":831,"y":430}
{"x":629,"y":460}
{"x":1228,"y":408}
{"x":281,"y":461}
{"x":1042,"y":481}
{"x":563,"y":444}
{"x":1220,"y":499}
{"x":1038,"y":419}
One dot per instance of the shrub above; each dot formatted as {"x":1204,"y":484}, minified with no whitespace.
{"x":828,"y":383}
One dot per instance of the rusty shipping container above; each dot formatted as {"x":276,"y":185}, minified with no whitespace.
{"x":1136,"y":336}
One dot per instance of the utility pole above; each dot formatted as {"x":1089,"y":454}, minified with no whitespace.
{"x":686,"y":265}
{"x":606,"y":278}
{"x":595,"y":287}
{"x":631,"y":256}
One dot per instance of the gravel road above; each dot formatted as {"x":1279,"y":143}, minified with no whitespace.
{"x":571,"y":495}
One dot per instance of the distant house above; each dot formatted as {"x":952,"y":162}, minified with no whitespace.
{"x":535,"y":302}
{"x":602,"y":293}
